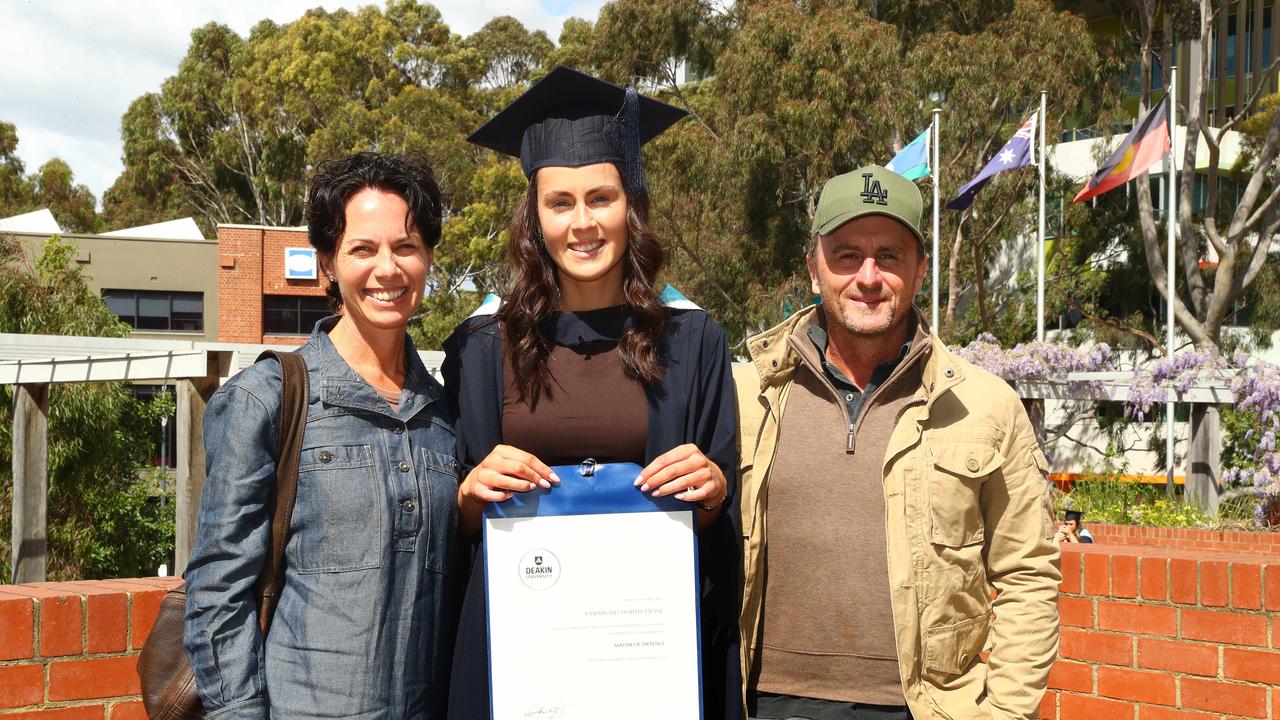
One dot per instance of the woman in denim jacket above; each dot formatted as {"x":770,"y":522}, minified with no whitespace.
{"x":364,"y":624}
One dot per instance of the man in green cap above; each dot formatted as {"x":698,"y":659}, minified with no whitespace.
{"x":902,"y":485}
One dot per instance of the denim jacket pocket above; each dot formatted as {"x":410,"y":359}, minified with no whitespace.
{"x":339,"y":513}
{"x":955,"y":485}
{"x":440,"y":488}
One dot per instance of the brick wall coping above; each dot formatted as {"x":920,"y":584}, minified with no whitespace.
{"x":1245,"y":541}
{"x":1171,"y":553}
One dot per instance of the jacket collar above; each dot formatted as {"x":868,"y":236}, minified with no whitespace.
{"x":340,"y":385}
{"x":942,"y":371}
{"x":775,"y":359}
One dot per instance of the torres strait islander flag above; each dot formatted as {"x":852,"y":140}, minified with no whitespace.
{"x":1143,"y":147}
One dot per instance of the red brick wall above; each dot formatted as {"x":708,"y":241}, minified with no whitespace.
{"x":1166,"y":634}
{"x":251,"y":265}
{"x":69,"y":650}
{"x":1147,"y":634}
{"x":274,"y":242}
{"x":239,"y":284}
{"x":1236,"y":541}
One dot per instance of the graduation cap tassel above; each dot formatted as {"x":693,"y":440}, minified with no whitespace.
{"x":631,"y":140}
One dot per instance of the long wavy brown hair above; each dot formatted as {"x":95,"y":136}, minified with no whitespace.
{"x":534,"y":295}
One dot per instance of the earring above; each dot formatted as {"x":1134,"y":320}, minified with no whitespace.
{"x":332,"y":279}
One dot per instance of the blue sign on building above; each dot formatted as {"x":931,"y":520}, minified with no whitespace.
{"x":300,"y":263}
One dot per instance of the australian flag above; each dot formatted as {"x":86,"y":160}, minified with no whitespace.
{"x":1015,"y":153}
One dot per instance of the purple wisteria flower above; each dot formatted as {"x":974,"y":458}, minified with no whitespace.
{"x":1256,"y":387}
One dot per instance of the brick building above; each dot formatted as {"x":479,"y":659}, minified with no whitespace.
{"x":268,"y":285}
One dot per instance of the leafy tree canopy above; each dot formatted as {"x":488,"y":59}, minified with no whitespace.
{"x":53,"y":186}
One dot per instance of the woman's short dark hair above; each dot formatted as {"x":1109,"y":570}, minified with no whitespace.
{"x":337,"y":181}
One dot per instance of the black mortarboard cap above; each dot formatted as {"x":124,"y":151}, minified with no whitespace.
{"x":569,"y":118}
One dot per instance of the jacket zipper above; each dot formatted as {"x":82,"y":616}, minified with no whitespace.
{"x":768,"y":408}
{"x":907,"y":405}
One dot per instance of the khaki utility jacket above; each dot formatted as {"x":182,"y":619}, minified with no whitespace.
{"x":967,"y":514}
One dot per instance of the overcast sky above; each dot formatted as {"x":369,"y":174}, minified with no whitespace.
{"x":71,"y":67}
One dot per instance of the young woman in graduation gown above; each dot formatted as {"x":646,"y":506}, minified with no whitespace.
{"x":584,"y":356}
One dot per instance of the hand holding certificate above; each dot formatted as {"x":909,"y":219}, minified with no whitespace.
{"x":593,"y":600}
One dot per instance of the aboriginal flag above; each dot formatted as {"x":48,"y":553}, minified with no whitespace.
{"x":1143,"y":147}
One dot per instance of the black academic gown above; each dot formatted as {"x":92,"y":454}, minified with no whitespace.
{"x":693,"y":403}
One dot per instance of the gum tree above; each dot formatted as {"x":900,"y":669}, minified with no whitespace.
{"x":1240,"y":228}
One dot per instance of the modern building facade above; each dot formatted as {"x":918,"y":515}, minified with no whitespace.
{"x":164,"y":287}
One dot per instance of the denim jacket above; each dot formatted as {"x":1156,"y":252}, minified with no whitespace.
{"x":364,"y":625}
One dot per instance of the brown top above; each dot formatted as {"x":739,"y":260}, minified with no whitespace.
{"x":593,"y":409}
{"x":827,"y":627}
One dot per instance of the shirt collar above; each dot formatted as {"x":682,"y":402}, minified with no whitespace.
{"x":343,"y":386}
{"x":817,"y":331}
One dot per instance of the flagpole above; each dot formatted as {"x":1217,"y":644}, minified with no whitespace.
{"x":1040,"y":244}
{"x":937,"y":177}
{"x":1171,"y":220}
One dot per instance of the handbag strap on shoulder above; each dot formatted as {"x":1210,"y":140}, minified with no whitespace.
{"x":293,"y":419}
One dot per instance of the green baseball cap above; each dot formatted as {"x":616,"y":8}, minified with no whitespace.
{"x":869,"y":190}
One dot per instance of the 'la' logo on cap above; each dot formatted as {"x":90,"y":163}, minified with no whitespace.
{"x":872,"y":192}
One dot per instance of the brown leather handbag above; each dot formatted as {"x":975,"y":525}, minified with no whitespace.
{"x":168,"y":684}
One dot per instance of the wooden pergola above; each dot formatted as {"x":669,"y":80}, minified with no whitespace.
{"x":31,"y":363}
{"x":44,"y":360}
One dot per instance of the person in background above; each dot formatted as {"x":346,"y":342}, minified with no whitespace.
{"x":1072,"y":529}
{"x":585,"y":356}
{"x":365,"y":620}
{"x":901,"y":485}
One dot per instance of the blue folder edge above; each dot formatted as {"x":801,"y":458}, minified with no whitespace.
{"x":607,"y":489}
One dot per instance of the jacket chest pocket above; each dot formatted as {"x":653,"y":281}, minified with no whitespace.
{"x":337,"y":522}
{"x":440,"y":496}
{"x":960,"y":466}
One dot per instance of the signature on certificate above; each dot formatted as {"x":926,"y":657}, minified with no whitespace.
{"x":544,"y":712}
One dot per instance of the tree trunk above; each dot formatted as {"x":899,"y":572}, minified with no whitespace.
{"x":1035,"y":413}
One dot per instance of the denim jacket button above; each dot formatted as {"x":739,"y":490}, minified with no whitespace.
{"x":326,"y":456}
{"x":403,"y":466}
{"x":398,"y":429}
{"x":453,"y":464}
{"x":408,"y":505}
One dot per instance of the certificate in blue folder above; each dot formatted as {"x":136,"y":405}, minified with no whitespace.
{"x":592,"y":601}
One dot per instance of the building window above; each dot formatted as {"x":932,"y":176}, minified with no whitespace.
{"x":157,"y":310}
{"x":292,"y":314}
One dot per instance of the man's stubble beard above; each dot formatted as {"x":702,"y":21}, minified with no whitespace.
{"x":889,"y":326}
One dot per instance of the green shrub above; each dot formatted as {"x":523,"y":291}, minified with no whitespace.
{"x":1102,"y":496}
